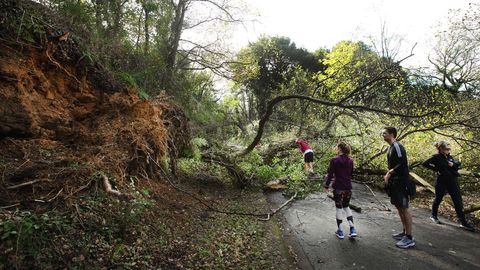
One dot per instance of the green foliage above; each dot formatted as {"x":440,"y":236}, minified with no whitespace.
{"x":266,"y":173}
{"x":266,"y":64}
{"x":299,"y":181}
{"x":23,"y":26}
{"x":142,"y":94}
{"x":190,"y":166}
{"x":199,"y":142}
{"x":26,"y":236}
{"x":252,"y":164}
{"x":194,"y":150}
{"x":97,"y":226}
{"x":193,"y":167}
{"x":352,"y":64}
{"x":130,"y":81}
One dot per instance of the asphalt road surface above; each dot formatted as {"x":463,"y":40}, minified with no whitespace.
{"x":309,"y":226}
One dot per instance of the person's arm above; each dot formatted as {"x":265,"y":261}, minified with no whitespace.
{"x":299,"y":144}
{"x":456,"y":164}
{"x":430,"y":163}
{"x":351,"y":170}
{"x":329,"y":177}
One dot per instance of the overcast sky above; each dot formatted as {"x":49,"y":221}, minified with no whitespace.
{"x":319,"y":23}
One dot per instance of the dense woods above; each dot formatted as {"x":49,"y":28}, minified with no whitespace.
{"x":116,"y":112}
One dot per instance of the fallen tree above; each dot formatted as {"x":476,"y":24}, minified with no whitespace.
{"x":272,"y":103}
{"x":471,"y":208}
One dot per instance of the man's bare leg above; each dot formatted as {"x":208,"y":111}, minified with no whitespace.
{"x":407,"y":223}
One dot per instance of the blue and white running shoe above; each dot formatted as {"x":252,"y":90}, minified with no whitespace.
{"x":353,"y":232}
{"x":339,"y":234}
{"x":406,"y":243}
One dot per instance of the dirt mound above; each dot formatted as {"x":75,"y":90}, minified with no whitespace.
{"x":65,"y":121}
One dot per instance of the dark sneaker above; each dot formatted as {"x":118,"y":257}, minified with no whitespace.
{"x":405,"y":243}
{"x":339,"y":234}
{"x":467,"y":227}
{"x":353,"y":232}
{"x":398,"y":236}
{"x":435,"y":219}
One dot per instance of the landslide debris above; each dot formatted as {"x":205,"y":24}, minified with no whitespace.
{"x":65,"y":120}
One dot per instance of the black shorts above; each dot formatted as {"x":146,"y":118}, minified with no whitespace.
{"x":342,"y":198}
{"x":398,"y":193}
{"x":308,"y":157}
{"x":399,"y":199}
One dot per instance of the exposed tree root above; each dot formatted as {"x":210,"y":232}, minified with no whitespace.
{"x":108,"y":186}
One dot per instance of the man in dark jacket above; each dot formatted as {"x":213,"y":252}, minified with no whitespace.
{"x":396,"y":179}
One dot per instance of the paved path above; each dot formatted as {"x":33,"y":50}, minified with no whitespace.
{"x":309,"y":226}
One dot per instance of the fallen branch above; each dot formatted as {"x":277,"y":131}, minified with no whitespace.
{"x":28,"y":183}
{"x":241,"y":180}
{"x":279,"y":208}
{"x":363,"y":182}
{"x":419,"y":180}
{"x":471,"y":208}
{"x":375,"y":196}
{"x":60,"y":191}
{"x":79,"y":189}
{"x":9,"y":206}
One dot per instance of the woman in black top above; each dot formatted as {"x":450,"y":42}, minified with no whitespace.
{"x":447,"y":171}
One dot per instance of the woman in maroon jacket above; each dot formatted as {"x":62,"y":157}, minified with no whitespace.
{"x":340,"y":171}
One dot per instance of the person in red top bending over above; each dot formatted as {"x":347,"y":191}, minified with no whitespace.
{"x":307,"y":154}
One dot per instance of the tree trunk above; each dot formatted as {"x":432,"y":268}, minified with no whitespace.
{"x":422,"y":182}
{"x":175,"y":33}
{"x":471,"y":208}
{"x":238,"y":175}
{"x":146,"y":29}
{"x":117,"y":19}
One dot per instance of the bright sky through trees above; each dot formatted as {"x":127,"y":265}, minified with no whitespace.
{"x":316,"y":23}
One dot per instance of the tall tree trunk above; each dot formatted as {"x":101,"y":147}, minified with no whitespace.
{"x":117,"y":18}
{"x":175,"y":33}
{"x":139,"y":32}
{"x":146,"y":29}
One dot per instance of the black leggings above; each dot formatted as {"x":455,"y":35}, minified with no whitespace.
{"x":451,"y":185}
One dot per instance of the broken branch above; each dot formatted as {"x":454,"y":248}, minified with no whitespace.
{"x":28,"y":183}
{"x":375,"y":196}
